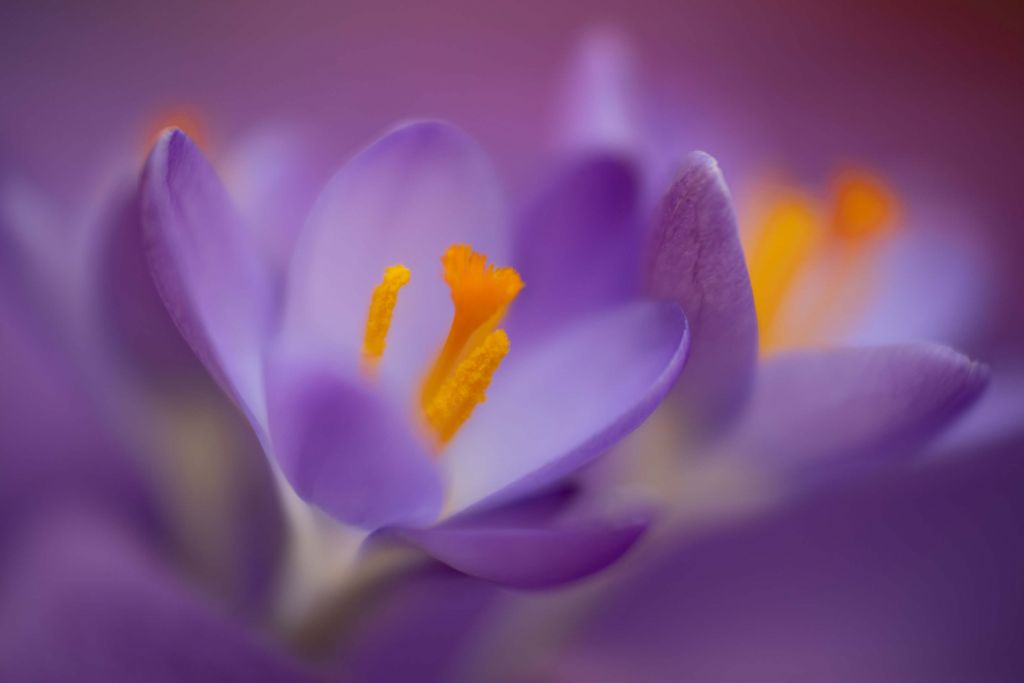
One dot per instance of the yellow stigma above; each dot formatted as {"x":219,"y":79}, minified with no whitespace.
{"x":378,"y":318}
{"x":481,"y":294}
{"x":777,"y":253}
{"x":466,"y":387}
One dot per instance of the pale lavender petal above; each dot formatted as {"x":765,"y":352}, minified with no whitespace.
{"x":578,"y":245}
{"x":403,"y":200}
{"x":273,"y":175}
{"x":913,"y":578}
{"x":845,"y":406}
{"x":205,"y":267}
{"x":603,"y":101}
{"x":83,"y":600}
{"x":346,"y":450}
{"x":696,"y":260}
{"x":932,"y":284}
{"x":559,"y":405}
{"x":608,"y":108}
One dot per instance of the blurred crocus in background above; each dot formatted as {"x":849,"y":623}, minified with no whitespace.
{"x":386,"y":344}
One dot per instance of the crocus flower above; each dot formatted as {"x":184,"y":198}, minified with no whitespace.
{"x":807,"y":412}
{"x":340,"y":372}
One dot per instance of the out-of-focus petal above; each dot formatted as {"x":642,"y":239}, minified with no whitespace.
{"x":529,"y":550}
{"x":933,"y":284}
{"x":133,"y":322}
{"x":913,"y":578}
{"x":230,"y":528}
{"x":603,"y":100}
{"x":36,"y":266}
{"x":562,"y":403}
{"x":205,"y":267}
{"x":855,"y":406}
{"x":578,"y":245}
{"x":273,"y":176}
{"x":608,"y":108}
{"x":403,"y":200}
{"x":430,"y":616}
{"x":696,"y":260}
{"x":997,"y":416}
{"x":54,"y":448}
{"x":347,"y":451}
{"x":82,"y":600}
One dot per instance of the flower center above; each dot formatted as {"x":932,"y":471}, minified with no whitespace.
{"x":457,"y":380}
{"x":795,"y":235}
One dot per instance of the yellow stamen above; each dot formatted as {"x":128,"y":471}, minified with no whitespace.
{"x":481,"y":294}
{"x":465,"y":388}
{"x":378,"y":318}
{"x":834,"y":248}
{"x":781,"y":248}
{"x":863,"y":211}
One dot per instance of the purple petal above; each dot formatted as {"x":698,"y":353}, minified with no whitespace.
{"x":910,"y":578}
{"x":272,"y":175}
{"x":562,"y":403}
{"x":997,"y":416}
{"x":405,"y":199}
{"x":431,"y":616}
{"x":578,"y":245}
{"x":55,"y":448}
{"x":913,"y":304}
{"x":519,"y":544}
{"x":83,"y":601}
{"x":603,"y":103}
{"x":822,"y":407}
{"x":696,"y":260}
{"x":36,"y":267}
{"x":205,"y":267}
{"x":528,"y":553}
{"x":133,"y":320}
{"x":344,"y":449}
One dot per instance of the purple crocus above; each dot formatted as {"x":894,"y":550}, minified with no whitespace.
{"x":333,"y":369}
{"x":791,"y":416}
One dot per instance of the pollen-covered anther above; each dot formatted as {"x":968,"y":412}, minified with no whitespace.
{"x":466,"y":387}
{"x":378,"y":318}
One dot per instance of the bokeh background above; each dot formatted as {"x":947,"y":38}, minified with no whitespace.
{"x":929,"y":86}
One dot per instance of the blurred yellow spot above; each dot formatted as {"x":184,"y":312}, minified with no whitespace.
{"x":809,"y":268}
{"x":863,"y":206}
{"x":378,"y":318}
{"x":778,"y":253}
